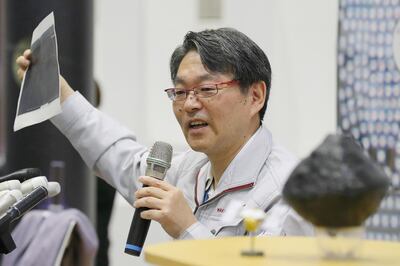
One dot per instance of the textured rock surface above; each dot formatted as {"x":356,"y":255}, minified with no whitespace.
{"x":338,"y":185}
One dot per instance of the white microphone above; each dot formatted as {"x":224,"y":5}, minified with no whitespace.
{"x":4,"y":192}
{"x":10,"y":185}
{"x":9,"y":198}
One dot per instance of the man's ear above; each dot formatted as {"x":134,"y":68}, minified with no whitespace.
{"x":257,"y":95}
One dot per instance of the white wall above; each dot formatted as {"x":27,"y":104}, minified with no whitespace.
{"x":133,"y":43}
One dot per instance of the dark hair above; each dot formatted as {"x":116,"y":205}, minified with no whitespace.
{"x":224,"y":51}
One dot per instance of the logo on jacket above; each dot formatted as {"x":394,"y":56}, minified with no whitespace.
{"x":221,"y":210}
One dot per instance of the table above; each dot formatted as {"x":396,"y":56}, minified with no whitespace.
{"x":279,"y":251}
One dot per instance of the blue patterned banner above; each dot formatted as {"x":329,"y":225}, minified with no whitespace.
{"x":369,"y":94}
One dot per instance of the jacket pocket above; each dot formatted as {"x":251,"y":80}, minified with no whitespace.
{"x":231,"y":228}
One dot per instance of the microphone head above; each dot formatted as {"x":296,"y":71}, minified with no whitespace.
{"x":53,"y":188}
{"x":159,"y":160}
{"x":160,"y":154}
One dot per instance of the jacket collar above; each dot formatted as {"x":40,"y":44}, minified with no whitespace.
{"x":243,"y":170}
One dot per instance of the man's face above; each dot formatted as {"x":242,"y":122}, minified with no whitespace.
{"x":218,"y":125}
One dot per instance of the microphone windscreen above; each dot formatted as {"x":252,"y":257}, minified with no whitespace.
{"x":8,"y":199}
{"x":16,"y":194}
{"x":53,"y":188}
{"x":31,"y":184}
{"x":3,"y":192}
{"x":10,"y":185}
{"x":161,"y":154}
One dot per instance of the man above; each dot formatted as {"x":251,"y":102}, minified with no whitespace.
{"x":221,"y":83}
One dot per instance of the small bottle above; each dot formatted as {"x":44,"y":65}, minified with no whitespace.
{"x":57,"y":174}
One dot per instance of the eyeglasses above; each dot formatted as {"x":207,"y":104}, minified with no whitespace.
{"x":202,"y":91}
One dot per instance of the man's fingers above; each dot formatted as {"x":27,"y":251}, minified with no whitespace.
{"x":20,"y":73}
{"x":23,"y":65}
{"x":150,"y":192}
{"x":152,"y":214}
{"x":28,"y":53}
{"x":154,"y":182}
{"x":23,"y":62}
{"x":148,"y":202}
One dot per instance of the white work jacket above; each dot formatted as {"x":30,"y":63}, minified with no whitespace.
{"x":254,"y":178}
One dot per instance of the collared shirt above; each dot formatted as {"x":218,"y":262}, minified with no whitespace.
{"x":254,"y":178}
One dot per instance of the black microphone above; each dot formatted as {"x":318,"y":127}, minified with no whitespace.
{"x":158,"y":162}
{"x":7,"y":243}
{"x":21,"y":175}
